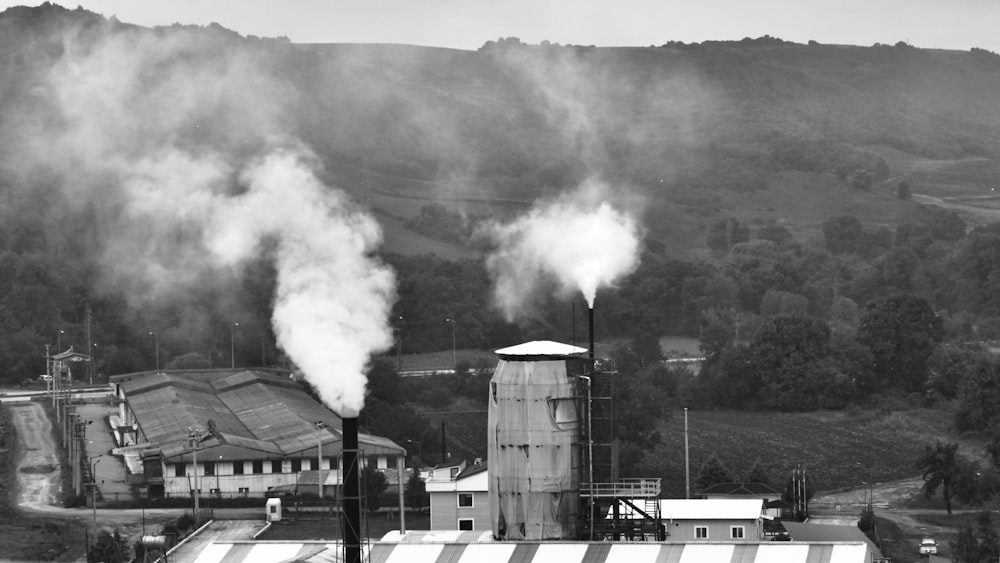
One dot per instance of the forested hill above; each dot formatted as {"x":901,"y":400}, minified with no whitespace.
{"x":805,"y":169}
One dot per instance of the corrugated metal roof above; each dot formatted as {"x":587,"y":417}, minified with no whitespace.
{"x":261,"y":413}
{"x":541,"y":552}
{"x":541,"y":348}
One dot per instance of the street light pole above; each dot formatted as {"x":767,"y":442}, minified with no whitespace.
{"x":156,"y":344}
{"x":320,"y":425}
{"x":59,"y":341}
{"x":93,"y":483}
{"x":454,"y":361}
{"x":232,"y":345}
{"x":399,"y":343}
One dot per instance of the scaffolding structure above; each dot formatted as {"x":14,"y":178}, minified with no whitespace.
{"x":602,"y":490}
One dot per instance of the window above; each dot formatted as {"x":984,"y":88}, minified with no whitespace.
{"x":244,"y":490}
{"x":296,"y":465}
{"x":214,"y":492}
{"x":454,"y":472}
{"x":258,"y":466}
{"x":238,"y":467}
{"x":465,"y":500}
{"x":178,"y":470}
{"x":563,"y":412}
{"x":736,"y":532}
{"x":209,"y":468}
{"x":334,"y":463}
{"x":465,"y":524}
{"x":275,"y":466}
{"x":701,"y":532}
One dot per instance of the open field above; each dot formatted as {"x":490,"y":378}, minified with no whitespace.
{"x":838,"y":449}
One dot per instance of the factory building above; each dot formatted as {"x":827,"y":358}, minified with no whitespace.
{"x":233,"y":433}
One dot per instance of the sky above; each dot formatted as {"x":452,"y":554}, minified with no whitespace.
{"x":467,"y":24}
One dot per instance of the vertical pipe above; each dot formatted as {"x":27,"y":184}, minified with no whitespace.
{"x":352,"y":493}
{"x":687,"y":459}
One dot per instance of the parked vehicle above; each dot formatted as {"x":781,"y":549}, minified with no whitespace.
{"x":928,"y":546}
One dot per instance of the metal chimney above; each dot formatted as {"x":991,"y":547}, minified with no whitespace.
{"x":352,"y":493}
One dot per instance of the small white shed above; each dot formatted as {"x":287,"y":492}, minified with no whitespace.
{"x":273,"y":510}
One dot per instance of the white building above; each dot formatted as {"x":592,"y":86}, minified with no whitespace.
{"x":705,"y":520}
{"x":459,"y":497}
{"x":231,"y":432}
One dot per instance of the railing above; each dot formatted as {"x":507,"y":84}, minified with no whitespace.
{"x":624,"y":488}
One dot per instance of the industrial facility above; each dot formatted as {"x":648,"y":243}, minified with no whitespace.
{"x":549,"y":489}
{"x":236,"y":432}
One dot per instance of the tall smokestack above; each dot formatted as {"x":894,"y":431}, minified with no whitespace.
{"x":352,"y":493}
{"x":590,"y":322}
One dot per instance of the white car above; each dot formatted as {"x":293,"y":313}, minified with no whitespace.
{"x":928,"y":546}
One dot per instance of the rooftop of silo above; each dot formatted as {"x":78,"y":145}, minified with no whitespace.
{"x":544,"y":348}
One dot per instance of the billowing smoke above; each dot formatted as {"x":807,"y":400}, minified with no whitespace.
{"x":181,"y":133}
{"x":579,"y":240}
{"x":333,"y":299}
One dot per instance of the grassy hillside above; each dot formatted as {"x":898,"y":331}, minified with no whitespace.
{"x":687,"y":132}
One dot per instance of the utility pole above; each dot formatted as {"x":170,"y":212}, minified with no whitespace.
{"x":194,"y":442}
{"x":687,"y":465}
{"x":454,"y":361}
{"x":89,"y":347}
{"x":156,"y":344}
{"x":232,"y":345}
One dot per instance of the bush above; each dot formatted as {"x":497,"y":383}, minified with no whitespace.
{"x":185,"y":521}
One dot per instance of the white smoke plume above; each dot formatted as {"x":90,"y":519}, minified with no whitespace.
{"x":580,"y":240}
{"x":180,"y":132}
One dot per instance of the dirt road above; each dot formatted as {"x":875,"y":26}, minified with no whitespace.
{"x":889,"y":501}
{"x":38,"y":475}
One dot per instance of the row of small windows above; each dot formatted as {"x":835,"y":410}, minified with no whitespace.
{"x":256,"y":466}
{"x":735,"y":532}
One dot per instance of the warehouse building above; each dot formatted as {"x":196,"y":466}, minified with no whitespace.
{"x":233,"y":432}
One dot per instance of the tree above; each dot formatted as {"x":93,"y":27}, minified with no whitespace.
{"x":942,"y":468}
{"x":901,"y":332}
{"x":845,"y":317}
{"x":416,"y":490}
{"x":373,"y":484}
{"x":110,"y":547}
{"x":757,"y":474}
{"x":843,"y":234}
{"x":974,"y":545}
{"x":725,"y":233}
{"x":774,"y":232}
{"x":191,"y":360}
{"x":711,"y":472}
{"x":788,"y":355}
{"x":777,"y":302}
{"x":903,"y":190}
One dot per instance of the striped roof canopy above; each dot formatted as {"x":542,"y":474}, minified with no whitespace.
{"x":543,"y":552}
